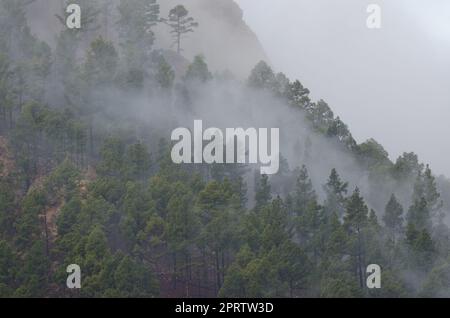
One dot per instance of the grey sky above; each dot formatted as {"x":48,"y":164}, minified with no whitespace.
{"x":391,"y":84}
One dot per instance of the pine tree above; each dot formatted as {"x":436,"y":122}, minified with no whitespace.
{"x":263,"y":194}
{"x":6,"y":92}
{"x":298,"y":95}
{"x":181,"y":24}
{"x":138,"y":162}
{"x":419,"y":215}
{"x":425,"y":187}
{"x":7,"y":206}
{"x":322,"y":116}
{"x":137,"y":18}
{"x":101,"y":63}
{"x":8,"y":268}
{"x":407,"y":167}
{"x":262,"y":77}
{"x":304,"y":193}
{"x":355,"y":220}
{"x":276,"y":227}
{"x":335,"y":190}
{"x":33,"y":274}
{"x":133,"y":279}
{"x":421,"y":248}
{"x":309,"y":226}
{"x":198,"y":71}
{"x":393,"y":217}
{"x":418,"y":235}
{"x":72,"y":43}
{"x":220,"y":223}
{"x":113,"y":157}
{"x":164,"y":74}
{"x":182,"y":230}
{"x":293,"y":267}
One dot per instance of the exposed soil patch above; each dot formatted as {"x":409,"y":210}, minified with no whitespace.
{"x":51,"y":215}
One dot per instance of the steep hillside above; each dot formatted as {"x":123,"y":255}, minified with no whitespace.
{"x":86,"y":139}
{"x":222,"y":37}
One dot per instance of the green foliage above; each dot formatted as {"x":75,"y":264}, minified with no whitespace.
{"x":419,"y":215}
{"x":137,"y":19}
{"x":335,"y":190}
{"x":33,"y":274}
{"x":262,"y":77}
{"x":263,"y":193}
{"x":91,"y":186}
{"x":8,"y":268}
{"x":132,"y":279}
{"x":198,"y":71}
{"x":420,"y":247}
{"x":356,"y":216}
{"x":437,"y":283}
{"x":101,"y":63}
{"x":342,"y":286}
{"x":7,"y":207}
{"x":393,"y":217}
{"x":298,"y":95}
{"x":407,"y":167}
{"x":425,"y":188}
{"x":304,"y":194}
{"x":373,"y":154}
{"x":181,"y":24}
{"x":355,"y":221}
{"x":164,"y":74}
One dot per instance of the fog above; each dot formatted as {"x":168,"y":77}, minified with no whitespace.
{"x":391,"y":84}
{"x":388,"y":84}
{"x":221,"y":31}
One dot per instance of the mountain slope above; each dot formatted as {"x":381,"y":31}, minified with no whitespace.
{"x":222,"y":37}
{"x":90,"y":181}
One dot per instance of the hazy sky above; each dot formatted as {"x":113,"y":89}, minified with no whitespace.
{"x":392,"y":84}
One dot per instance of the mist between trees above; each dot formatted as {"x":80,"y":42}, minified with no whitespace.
{"x":87,"y":178}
